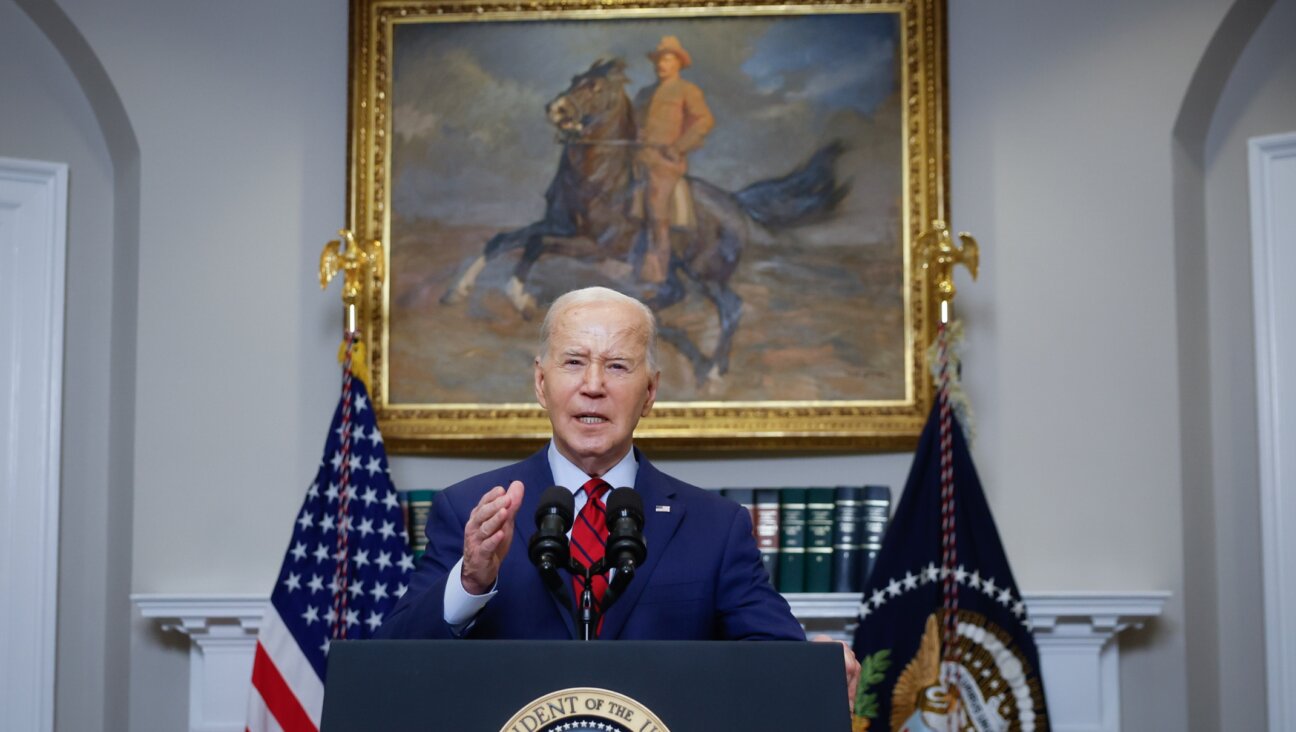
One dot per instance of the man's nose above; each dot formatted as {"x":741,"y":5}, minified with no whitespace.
{"x":592,"y":383}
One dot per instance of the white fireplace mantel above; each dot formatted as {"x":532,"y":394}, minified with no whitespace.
{"x":1073,"y":630}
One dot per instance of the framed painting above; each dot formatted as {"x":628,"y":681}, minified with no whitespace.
{"x":506,"y":153}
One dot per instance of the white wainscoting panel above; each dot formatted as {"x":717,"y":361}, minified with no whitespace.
{"x":1075,"y":633}
{"x":33,"y":243}
{"x":1273,"y":262}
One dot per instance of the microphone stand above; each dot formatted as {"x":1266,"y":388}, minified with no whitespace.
{"x":587,"y":615}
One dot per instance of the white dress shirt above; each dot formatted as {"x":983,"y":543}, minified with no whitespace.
{"x":459,"y":605}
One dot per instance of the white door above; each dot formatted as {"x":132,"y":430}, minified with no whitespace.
{"x":33,"y":223}
{"x":1273,"y":259}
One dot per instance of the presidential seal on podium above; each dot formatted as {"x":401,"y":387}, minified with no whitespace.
{"x":584,"y":709}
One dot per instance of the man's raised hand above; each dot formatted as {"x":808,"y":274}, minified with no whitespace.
{"x":488,"y":535}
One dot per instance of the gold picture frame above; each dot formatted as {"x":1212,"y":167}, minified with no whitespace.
{"x":452,"y":149}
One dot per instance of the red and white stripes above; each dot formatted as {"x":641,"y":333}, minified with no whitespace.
{"x":287,"y":695}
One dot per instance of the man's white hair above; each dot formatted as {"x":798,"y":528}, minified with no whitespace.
{"x":586,"y":296}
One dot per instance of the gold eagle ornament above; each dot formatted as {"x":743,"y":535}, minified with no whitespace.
{"x":939,"y":255}
{"x":919,"y":694}
{"x":352,"y":260}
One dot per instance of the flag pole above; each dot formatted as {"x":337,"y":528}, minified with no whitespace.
{"x":359,"y":263}
{"x":940,"y":256}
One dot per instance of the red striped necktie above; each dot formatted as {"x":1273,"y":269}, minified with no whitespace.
{"x":589,"y":538}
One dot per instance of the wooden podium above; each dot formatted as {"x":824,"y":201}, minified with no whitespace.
{"x":546,"y":686}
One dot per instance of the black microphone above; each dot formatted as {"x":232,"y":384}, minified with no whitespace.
{"x":548,"y":547}
{"x":626,"y":548}
{"x":625,"y":544}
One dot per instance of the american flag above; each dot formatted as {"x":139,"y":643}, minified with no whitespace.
{"x":347,"y":563}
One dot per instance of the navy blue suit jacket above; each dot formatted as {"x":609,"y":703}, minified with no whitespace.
{"x":702,"y":579}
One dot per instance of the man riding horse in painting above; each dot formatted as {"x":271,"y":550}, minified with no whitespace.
{"x":620,"y":193}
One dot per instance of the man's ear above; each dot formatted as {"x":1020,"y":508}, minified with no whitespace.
{"x":652,"y":393}
{"x":539,"y":384}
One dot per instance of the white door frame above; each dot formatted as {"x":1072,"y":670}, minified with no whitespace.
{"x":1273,"y":262}
{"x":33,"y":244}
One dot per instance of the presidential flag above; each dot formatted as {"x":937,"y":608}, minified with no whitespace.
{"x":944,"y":639}
{"x":347,"y":563}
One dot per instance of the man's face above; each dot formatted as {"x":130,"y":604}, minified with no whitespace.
{"x":668,"y":66}
{"x":595,"y":382}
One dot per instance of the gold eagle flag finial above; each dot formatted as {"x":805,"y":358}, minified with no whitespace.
{"x":352,"y":260}
{"x":355,"y":261}
{"x":940,"y":255}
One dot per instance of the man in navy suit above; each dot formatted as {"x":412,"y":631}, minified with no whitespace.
{"x":596,"y":375}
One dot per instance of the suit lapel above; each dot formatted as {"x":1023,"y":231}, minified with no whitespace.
{"x":662,"y":515}
{"x":537,"y":476}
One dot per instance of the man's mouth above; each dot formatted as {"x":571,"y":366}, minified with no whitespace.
{"x":591,"y":419}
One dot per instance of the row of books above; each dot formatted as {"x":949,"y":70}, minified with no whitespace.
{"x":817,"y":539}
{"x":811,"y":539}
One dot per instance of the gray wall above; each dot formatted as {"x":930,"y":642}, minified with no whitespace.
{"x":1063,"y":164}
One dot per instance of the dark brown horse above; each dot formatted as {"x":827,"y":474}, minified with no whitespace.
{"x":588,"y":214}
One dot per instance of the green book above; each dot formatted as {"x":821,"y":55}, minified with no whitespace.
{"x":420,"y":505}
{"x":792,"y":540}
{"x":820,"y":507}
